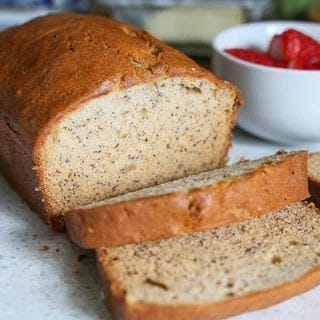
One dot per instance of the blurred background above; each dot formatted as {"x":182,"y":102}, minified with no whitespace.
{"x":186,"y":24}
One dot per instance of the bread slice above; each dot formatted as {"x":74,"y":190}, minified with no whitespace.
{"x":218,"y":273}
{"x":314,"y":177}
{"x":91,"y":108}
{"x":194,"y":203}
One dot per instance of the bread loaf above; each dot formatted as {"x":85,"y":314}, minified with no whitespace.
{"x":91,"y":108}
{"x":218,"y":273}
{"x":314,"y":177}
{"x":194,"y":203}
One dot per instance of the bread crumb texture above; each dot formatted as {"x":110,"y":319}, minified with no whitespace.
{"x":217,"y":265}
{"x":129,"y":139}
{"x":200,"y":180}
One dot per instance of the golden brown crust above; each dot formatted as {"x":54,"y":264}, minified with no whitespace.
{"x":17,"y":167}
{"x":64,"y":60}
{"x":270,"y":187}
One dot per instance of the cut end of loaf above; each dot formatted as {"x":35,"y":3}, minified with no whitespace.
{"x":213,"y":267}
{"x":126,"y":140}
{"x":207,"y":178}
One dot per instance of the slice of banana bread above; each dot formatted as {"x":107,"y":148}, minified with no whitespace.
{"x":218,"y":273}
{"x":194,"y":203}
{"x":314,"y":177}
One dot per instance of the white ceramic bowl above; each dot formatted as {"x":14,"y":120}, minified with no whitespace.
{"x":282,"y":105}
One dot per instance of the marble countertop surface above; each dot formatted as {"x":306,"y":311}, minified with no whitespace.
{"x":44,"y":276}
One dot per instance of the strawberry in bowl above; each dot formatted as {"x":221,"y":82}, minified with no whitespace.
{"x":291,"y":49}
{"x":276,"y":65}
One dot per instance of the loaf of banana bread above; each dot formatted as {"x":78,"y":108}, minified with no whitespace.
{"x":91,"y":108}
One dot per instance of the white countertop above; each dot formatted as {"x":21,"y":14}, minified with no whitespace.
{"x":41,"y":277}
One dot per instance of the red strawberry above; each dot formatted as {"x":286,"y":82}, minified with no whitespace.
{"x":292,"y":44}
{"x":251,"y":55}
{"x":297,"y":64}
{"x":280,"y":64}
{"x":275,"y":48}
{"x":302,"y":64}
{"x":315,"y":66}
